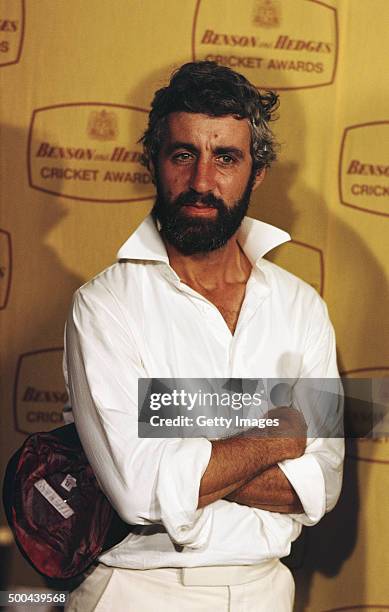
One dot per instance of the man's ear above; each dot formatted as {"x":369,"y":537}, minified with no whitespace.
{"x":259,"y":178}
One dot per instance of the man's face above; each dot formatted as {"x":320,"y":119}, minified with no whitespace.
{"x":204,"y":180}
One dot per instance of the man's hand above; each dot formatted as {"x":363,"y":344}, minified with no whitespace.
{"x":236,"y":461}
{"x":292,"y":427}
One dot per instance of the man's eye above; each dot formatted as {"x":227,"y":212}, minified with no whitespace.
{"x":182,"y":157}
{"x":226,"y":159}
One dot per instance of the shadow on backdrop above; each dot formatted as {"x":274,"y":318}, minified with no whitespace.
{"x":40,"y":296}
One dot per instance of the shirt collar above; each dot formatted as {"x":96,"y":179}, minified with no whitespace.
{"x":255,"y":237}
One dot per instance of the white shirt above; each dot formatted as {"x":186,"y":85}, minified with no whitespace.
{"x":136,"y":319}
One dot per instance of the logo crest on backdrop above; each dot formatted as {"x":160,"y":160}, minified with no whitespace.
{"x":267,"y":14}
{"x":103,"y":125}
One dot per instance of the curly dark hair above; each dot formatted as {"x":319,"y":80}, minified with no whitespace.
{"x":214,"y":90}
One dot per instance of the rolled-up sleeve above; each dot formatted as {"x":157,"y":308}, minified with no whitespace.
{"x":317,"y":475}
{"x":146,"y":480}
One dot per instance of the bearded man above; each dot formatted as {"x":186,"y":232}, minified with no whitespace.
{"x":192,"y":297}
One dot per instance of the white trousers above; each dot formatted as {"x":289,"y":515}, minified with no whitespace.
{"x":268,"y":587}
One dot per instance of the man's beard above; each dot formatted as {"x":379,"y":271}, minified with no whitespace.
{"x":191,"y":235}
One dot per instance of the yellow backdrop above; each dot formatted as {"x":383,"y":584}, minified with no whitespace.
{"x":77,"y":80}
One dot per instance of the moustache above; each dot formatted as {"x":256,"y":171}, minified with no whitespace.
{"x":192,"y":197}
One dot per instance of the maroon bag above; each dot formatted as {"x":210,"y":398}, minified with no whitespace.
{"x":60,"y":518}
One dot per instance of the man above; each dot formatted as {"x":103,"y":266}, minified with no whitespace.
{"x":192,"y":297}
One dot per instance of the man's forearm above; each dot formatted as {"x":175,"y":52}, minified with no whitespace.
{"x":269,"y":490}
{"x":236,"y":461}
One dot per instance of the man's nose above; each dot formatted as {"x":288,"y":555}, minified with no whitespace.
{"x":203,"y":176}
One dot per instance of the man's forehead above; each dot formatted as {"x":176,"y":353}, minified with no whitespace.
{"x":197,"y":126}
